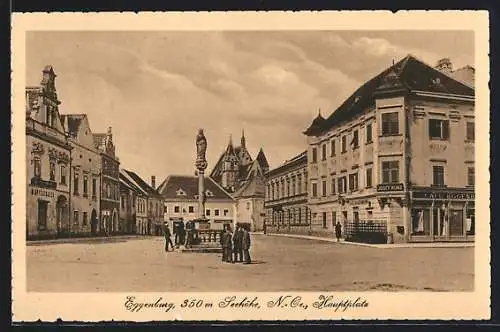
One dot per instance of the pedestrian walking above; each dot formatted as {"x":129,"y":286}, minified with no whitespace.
{"x":246,"y":245}
{"x":338,"y":231}
{"x":167,"y":234}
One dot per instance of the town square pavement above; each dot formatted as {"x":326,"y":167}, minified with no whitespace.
{"x":279,"y":264}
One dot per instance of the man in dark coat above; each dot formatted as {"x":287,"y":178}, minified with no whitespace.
{"x":338,"y":231}
{"x":227,"y":255}
{"x":246,"y":245}
{"x":167,"y":234}
{"x":237,"y":244}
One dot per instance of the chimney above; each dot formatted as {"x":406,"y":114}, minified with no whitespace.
{"x":444,"y":65}
{"x":153,"y":182}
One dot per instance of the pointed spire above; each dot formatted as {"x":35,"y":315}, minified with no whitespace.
{"x":231,"y":139}
{"x":243,"y":141}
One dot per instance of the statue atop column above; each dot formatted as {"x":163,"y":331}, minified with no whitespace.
{"x":201,"y":148}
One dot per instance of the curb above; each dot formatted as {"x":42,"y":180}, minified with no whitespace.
{"x":382,"y":246}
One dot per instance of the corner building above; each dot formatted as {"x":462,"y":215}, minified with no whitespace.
{"x":47,"y":161}
{"x":398,"y":154}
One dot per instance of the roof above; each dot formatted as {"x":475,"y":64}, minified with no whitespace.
{"x":142,"y":184}
{"x":252,"y":184}
{"x":262,"y":160}
{"x":409,"y":74}
{"x":189,"y":186}
{"x":124,"y":181}
{"x":301,"y":158}
{"x":99,"y":139}
{"x":74,"y":122}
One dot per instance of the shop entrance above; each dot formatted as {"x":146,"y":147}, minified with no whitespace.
{"x":62,"y":215}
{"x":93,"y":222}
{"x":456,"y":222}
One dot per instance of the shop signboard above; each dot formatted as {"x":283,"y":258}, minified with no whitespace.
{"x":390,"y":187}
{"x":444,"y":195}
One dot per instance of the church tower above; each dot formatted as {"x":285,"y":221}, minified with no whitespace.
{"x":229,"y":167}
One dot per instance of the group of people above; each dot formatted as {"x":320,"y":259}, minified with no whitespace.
{"x":236,"y":245}
{"x":184,"y":235}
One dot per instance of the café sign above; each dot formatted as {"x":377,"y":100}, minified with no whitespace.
{"x":444,"y":195}
{"x":390,"y":187}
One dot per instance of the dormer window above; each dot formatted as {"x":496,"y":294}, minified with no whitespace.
{"x":208,"y":193}
{"x":180,"y":192}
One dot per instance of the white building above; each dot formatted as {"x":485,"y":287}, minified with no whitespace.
{"x":180,"y":195}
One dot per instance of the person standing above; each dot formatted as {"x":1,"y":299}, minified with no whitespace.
{"x":227,"y":255}
{"x":246,"y":245}
{"x":167,"y":234}
{"x":237,"y":244}
{"x":338,"y":231}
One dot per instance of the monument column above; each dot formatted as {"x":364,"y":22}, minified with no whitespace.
{"x":201,"y":165}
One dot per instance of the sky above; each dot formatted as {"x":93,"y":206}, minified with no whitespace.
{"x":155,"y":89}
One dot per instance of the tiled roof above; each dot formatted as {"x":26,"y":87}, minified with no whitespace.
{"x":141,"y":183}
{"x":409,"y":74}
{"x":74,"y":121}
{"x":189,"y":185}
{"x":124,"y":181}
{"x":261,"y":158}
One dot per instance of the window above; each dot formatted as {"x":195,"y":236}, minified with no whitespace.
{"x":323,"y":152}
{"x":52,"y":171}
{"x":470,"y":176}
{"x":314,"y":155}
{"x":314,"y":189}
{"x":85,"y":185}
{"x":42,"y":215}
{"x":344,"y":144}
{"x":334,"y":218}
{"x":207,"y":212}
{"x":390,"y":123}
{"x":226,"y":212}
{"x":94,"y":187}
{"x":470,"y":131}
{"x":438,"y":129}
{"x":369,"y":133}
{"x":37,"y":167}
{"x":293,"y":186}
{"x":324,"y":219}
{"x":84,"y":221}
{"x":191,"y":209}
{"x":177,"y":209}
{"x":216,"y":212}
{"x":390,"y":171}
{"x":63,"y":174}
{"x":287,"y":187}
{"x":342,"y":185}
{"x":333,"y":186}
{"x":248,"y":205}
{"x":438,"y":175}
{"x":75,"y":184}
{"x":75,"y":217}
{"x":299,"y":184}
{"x":368,"y":177}
{"x":323,"y":188}
{"x":353,"y":182}
{"x":355,"y":139}
{"x":421,"y":222}
{"x":332,"y":148}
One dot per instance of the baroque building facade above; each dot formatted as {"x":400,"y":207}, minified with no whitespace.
{"x":244,"y":179}
{"x":286,"y":197}
{"x":47,"y":161}
{"x":399,"y":153}
{"x":84,"y":175}
{"x":110,"y":184}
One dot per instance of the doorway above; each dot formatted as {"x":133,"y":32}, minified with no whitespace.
{"x":456,"y":222}
{"x":93,"y":222}
{"x":62,"y":221}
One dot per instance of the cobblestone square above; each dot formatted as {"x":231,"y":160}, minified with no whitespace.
{"x":279,"y":264}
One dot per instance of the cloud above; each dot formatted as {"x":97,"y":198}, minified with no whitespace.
{"x":157,"y":88}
